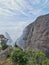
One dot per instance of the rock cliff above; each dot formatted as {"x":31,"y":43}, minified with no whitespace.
{"x":36,"y":35}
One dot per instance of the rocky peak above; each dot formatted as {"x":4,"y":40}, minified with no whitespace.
{"x":37,"y":35}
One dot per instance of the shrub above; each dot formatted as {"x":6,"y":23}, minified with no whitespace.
{"x":29,"y":57}
{"x":45,"y":62}
{"x":3,"y":42}
{"x":4,"y":47}
{"x":19,"y":57}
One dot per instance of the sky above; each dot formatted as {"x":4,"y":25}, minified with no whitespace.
{"x":15,"y":15}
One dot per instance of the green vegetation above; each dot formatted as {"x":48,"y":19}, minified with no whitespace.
{"x":29,"y":57}
{"x":0,"y":47}
{"x":3,"y":43}
{"x":20,"y":57}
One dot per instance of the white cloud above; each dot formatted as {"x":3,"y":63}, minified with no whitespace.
{"x":10,"y":8}
{"x":21,"y":6}
{"x":14,"y":29}
{"x":36,"y":12}
{"x":36,"y":2}
{"x":11,"y":4}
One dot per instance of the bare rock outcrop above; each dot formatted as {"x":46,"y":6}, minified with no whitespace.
{"x":38,"y":35}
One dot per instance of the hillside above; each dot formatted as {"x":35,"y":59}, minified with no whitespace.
{"x":36,"y":35}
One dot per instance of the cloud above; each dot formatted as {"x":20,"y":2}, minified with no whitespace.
{"x":14,"y":29}
{"x":7,"y":5}
{"x":37,"y":2}
{"x":13,"y":12}
{"x":12,"y":7}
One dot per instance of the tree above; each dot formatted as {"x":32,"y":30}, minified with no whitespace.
{"x":3,"y":42}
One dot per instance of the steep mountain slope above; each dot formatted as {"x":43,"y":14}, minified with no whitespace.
{"x":36,"y":35}
{"x":10,"y":41}
{"x":22,"y":40}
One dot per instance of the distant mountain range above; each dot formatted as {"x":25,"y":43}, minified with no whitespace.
{"x":10,"y":41}
{"x":36,"y":35}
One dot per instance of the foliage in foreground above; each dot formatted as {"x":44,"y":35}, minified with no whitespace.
{"x":29,"y":57}
{"x":19,"y":57}
{"x":3,"y":43}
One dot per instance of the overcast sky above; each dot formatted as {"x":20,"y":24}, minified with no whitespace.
{"x":16,"y":14}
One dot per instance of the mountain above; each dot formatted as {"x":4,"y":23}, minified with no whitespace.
{"x":10,"y":41}
{"x":36,"y":35}
{"x":21,"y":41}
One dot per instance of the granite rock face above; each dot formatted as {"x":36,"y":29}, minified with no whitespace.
{"x":21,"y":42}
{"x":37,"y":34}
